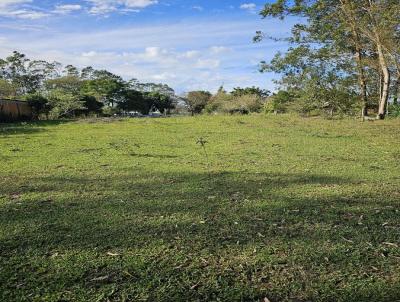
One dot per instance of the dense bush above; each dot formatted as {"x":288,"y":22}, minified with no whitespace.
{"x":196,"y":101}
{"x":394,"y":110}
{"x":110,"y":111}
{"x":279,"y":102}
{"x":224,"y":102}
{"x":39,"y":104}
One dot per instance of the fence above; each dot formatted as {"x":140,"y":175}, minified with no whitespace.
{"x":12,"y":110}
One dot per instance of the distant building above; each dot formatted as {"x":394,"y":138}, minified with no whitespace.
{"x":13,"y":110}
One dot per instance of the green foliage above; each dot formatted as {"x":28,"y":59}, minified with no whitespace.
{"x":133,"y":100}
{"x":63,"y":103}
{"x":246,"y":103}
{"x":110,"y":111}
{"x":70,"y":84}
{"x":339,"y":50}
{"x":229,"y":103}
{"x":394,"y":110}
{"x":217,"y":102}
{"x":71,"y":71}
{"x":159,"y":101}
{"x":7,"y":89}
{"x":197,"y":101}
{"x":91,"y":105}
{"x":314,"y":79}
{"x":262,"y":93}
{"x":71,"y":92}
{"x":278,"y":103}
{"x":26,"y":76}
{"x":40,"y":104}
{"x":106,"y":87}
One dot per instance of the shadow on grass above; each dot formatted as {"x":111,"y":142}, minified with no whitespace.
{"x":180,"y":237}
{"x":31,"y":127}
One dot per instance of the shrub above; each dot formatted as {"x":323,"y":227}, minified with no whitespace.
{"x":40,"y":104}
{"x":197,"y":101}
{"x":110,"y":111}
{"x":63,"y":103}
{"x":228,"y":103}
{"x":279,"y":102}
{"x":394,"y":110}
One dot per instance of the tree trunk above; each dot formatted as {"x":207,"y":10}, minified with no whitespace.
{"x":362,"y":83}
{"x":383,"y":102}
{"x":386,"y":82}
{"x":351,"y":19}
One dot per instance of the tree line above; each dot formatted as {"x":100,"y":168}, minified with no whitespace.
{"x":55,"y":91}
{"x":344,"y":56}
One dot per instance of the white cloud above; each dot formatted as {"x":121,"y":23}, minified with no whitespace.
{"x":19,"y":8}
{"x":165,"y":76}
{"x":7,"y":3}
{"x":207,"y":63}
{"x":12,"y":9}
{"x":248,"y":6}
{"x":219,"y":49}
{"x":100,"y":7}
{"x":190,"y":54}
{"x":89,"y":54}
{"x":153,"y":52}
{"x":67,"y":8}
{"x":24,"y":14}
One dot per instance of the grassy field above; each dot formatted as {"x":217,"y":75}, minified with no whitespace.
{"x":284,"y":208}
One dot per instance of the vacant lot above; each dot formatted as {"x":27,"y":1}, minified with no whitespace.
{"x":284,"y":208}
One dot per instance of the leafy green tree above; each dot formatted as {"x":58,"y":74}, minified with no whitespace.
{"x":69,"y":91}
{"x":133,"y":100}
{"x":151,"y":87}
{"x":359,"y":32}
{"x":87,"y":73}
{"x":42,"y":70}
{"x":244,"y":104}
{"x":7,"y":90}
{"x":279,"y":102}
{"x":262,"y":93}
{"x":25,"y":75}
{"x":14,"y":70}
{"x":217,"y":101}
{"x":91,"y":105}
{"x":64,"y":104}
{"x":40,"y":104}
{"x":162,"y":102}
{"x":69,"y":84}
{"x":197,"y":101}
{"x":229,"y":103}
{"x":64,"y":96}
{"x":105,"y":86}
{"x":71,"y":71}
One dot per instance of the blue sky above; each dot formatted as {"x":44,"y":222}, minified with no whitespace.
{"x":187,"y":44}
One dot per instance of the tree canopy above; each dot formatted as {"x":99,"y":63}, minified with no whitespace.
{"x":344,"y":54}
{"x":57,"y":91}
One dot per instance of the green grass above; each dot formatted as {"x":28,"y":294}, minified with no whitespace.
{"x":286,"y":208}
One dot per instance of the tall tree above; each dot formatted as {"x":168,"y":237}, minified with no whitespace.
{"x":197,"y":101}
{"x":359,"y":29}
